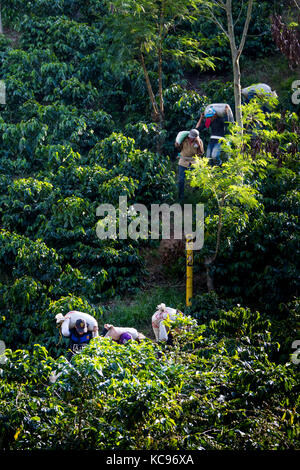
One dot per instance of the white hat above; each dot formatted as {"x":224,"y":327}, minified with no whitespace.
{"x":193,"y":134}
{"x":161,"y":307}
{"x":59,"y":318}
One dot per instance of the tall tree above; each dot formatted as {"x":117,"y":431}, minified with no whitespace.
{"x":140,"y":31}
{"x":214,"y":9}
{"x":230,"y":186}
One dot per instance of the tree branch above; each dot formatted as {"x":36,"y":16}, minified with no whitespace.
{"x":246,"y":27}
{"x":231,"y":32}
{"x":215,"y":20}
{"x":296,"y":3}
{"x":149,"y":87}
{"x":220,"y":4}
{"x":240,"y":13}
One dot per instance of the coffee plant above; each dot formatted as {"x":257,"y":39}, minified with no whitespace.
{"x":78,"y":130}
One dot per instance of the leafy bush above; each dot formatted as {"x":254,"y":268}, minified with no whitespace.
{"x":146,"y":396}
{"x":23,"y":303}
{"x":263,"y":268}
{"x":121,"y":261}
{"x":156,"y":182}
{"x":76,"y":93}
{"x":112,"y":151}
{"x":70,"y":220}
{"x":22,"y":139}
{"x":83,"y":181}
{"x":27,"y":205}
{"x":5,"y":43}
{"x":208,"y":306}
{"x":77,"y":131}
{"x":69,"y":39}
{"x":72,"y":280}
{"x":20,"y":256}
{"x":53,"y":157}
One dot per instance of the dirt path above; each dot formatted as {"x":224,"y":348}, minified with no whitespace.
{"x":159,"y":260}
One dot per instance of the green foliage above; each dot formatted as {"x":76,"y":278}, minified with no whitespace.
{"x":208,"y":306}
{"x":151,"y":173}
{"x":27,"y":204}
{"x":183,"y":109}
{"x":21,"y":256}
{"x":76,"y":93}
{"x":77,"y":131}
{"x":68,"y":125}
{"x":269,"y":275}
{"x":112,"y":151}
{"x":259,"y":40}
{"x":69,"y":39}
{"x":73,"y":280}
{"x":151,"y":21}
{"x":84,"y":181}
{"x":219,"y":92}
{"x":52,"y":157}
{"x":207,"y":394}
{"x":5,"y":43}
{"x":23,"y":303}
{"x":70,"y":212}
{"x":22,"y":139}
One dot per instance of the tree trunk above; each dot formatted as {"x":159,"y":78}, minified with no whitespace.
{"x":209,"y":279}
{"x":150,"y":91}
{"x":1,"y":25}
{"x":208,"y":262}
{"x":160,"y":86}
{"x":236,"y":53}
{"x":235,"y":64}
{"x":156,"y":112}
{"x":160,"y":139}
{"x":237,"y":91}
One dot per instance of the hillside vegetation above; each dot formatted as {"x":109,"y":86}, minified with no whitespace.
{"x":79,"y":129}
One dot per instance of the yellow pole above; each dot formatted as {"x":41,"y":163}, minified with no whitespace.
{"x":189,"y":270}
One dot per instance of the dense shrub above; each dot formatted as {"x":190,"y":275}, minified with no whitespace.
{"x":73,"y":280}
{"x":28,"y":314}
{"x":263,"y":269}
{"x":125,"y":398}
{"x":53,"y":157}
{"x":22,"y":306}
{"x":206,"y":307}
{"x":27,"y":205}
{"x":21,"y":256}
{"x":22,"y":140}
{"x":152,"y":173}
{"x":259,"y":41}
{"x":76,"y":132}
